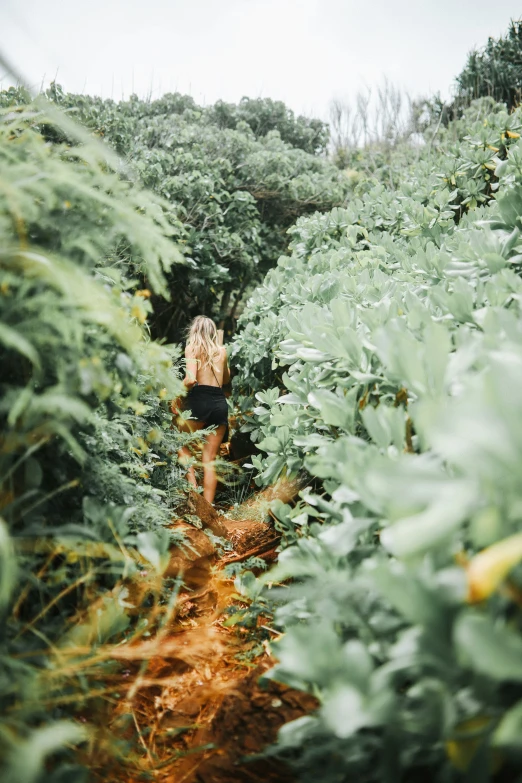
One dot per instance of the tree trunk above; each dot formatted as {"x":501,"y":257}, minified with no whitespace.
{"x":225,"y":299}
{"x":237,"y":300}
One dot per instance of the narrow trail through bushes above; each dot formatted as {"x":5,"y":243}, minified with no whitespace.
{"x":200,"y":708}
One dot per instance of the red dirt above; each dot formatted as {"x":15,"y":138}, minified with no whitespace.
{"x":200,"y":711}
{"x":242,"y":723}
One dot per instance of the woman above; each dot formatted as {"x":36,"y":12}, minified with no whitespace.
{"x":206,"y":373}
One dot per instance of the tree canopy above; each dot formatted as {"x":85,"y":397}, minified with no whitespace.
{"x":237,"y":177}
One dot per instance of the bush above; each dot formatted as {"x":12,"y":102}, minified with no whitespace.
{"x":87,"y":457}
{"x":390,"y":341}
{"x":236,"y":177}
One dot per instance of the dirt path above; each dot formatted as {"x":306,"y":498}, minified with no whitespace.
{"x":202,"y":707}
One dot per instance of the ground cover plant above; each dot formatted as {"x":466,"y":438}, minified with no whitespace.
{"x":384,"y":355}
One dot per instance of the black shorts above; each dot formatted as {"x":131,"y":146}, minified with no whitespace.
{"x":207,"y":404}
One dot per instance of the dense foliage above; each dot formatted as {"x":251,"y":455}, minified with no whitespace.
{"x":263,"y":115}
{"x":495,"y":70}
{"x":236,"y":176}
{"x":439,"y":183}
{"x":88,"y":470}
{"x":87,"y":476}
{"x":384,"y":353}
{"x":381,"y":358}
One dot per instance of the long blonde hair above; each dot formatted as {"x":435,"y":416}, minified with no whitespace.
{"x":203,"y":339}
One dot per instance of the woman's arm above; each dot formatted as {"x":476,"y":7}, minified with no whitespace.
{"x":191,"y":368}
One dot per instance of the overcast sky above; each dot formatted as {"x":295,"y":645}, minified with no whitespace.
{"x":304,"y":52}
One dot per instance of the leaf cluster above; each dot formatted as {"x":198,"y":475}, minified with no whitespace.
{"x":235,"y":177}
{"x":384,"y":355}
{"x":88,"y":469}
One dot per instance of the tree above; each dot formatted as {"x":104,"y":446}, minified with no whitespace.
{"x":236,"y":177}
{"x":495,"y":70}
{"x":263,"y":115}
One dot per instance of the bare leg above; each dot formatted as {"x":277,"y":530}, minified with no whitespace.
{"x":210,"y":450}
{"x":184,"y":454}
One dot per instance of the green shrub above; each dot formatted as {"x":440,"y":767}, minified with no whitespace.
{"x":88,"y":477}
{"x":391,"y":339}
{"x":236,"y":177}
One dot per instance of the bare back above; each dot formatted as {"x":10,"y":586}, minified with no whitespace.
{"x":198,"y":370}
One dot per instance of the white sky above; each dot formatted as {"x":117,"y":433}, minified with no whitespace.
{"x":304,"y":52}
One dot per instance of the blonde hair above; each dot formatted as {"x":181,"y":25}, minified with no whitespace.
{"x":202,"y":338}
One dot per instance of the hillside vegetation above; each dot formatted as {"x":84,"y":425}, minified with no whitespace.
{"x":378,"y":369}
{"x":87,"y":481}
{"x":494,"y":71}
{"x":237,"y":177}
{"x":89,"y":476}
{"x":384,"y":352}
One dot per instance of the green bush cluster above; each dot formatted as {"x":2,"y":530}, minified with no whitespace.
{"x":88,"y":478}
{"x":237,"y":177}
{"x":439,"y":183}
{"x":385,"y":356}
{"x":88,"y":472}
